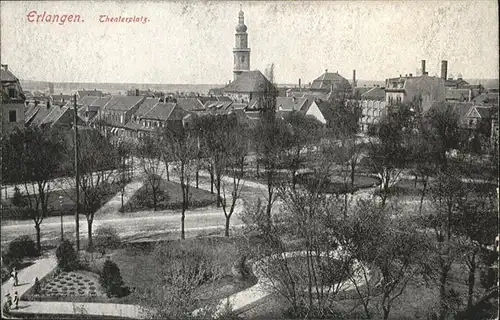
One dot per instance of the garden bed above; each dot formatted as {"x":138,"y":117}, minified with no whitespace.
{"x":141,"y":263}
{"x":170,"y":197}
{"x":75,"y":286}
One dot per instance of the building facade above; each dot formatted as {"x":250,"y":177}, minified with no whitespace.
{"x":13,"y":101}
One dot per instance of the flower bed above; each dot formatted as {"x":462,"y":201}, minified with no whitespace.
{"x":75,"y":286}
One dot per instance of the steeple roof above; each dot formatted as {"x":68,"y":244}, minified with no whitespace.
{"x":241,"y":27}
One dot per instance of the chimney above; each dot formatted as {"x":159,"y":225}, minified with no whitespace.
{"x":423,"y":68}
{"x":354,"y":78}
{"x":326,"y":70}
{"x":470,"y":95}
{"x":444,"y":70}
{"x":137,"y":92}
{"x":300,"y":82}
{"x":5,"y":67}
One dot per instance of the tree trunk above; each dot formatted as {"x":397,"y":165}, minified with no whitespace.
{"x":211,"y":182}
{"x":226,"y":232}
{"x":168,"y":172}
{"x":197,"y":178}
{"x":386,"y":312}
{"x":38,"y":240}
{"x":218,"y":191}
{"x":424,"y":189}
{"x":122,"y":208}
{"x":89,"y":231}
{"x":443,"y":310}
{"x":471,"y":280}
{"x":183,"y":217}
{"x":352,"y":179}
{"x":154,"y":198}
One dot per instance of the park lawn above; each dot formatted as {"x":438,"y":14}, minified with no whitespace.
{"x":418,"y":301}
{"x":138,"y":262}
{"x":170,"y":197}
{"x":58,"y":201}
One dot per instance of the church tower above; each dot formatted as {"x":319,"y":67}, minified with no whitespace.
{"x":241,"y":50}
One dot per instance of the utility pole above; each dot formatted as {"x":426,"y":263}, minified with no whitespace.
{"x":77,"y":179}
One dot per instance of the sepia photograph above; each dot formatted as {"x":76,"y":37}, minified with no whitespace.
{"x":249,"y":160}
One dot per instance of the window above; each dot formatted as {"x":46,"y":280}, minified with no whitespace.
{"x":471,"y":123}
{"x":12,"y":93}
{"x":12,"y":116}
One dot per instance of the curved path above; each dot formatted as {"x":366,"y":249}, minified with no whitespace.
{"x":42,"y":267}
{"x":240,"y":301}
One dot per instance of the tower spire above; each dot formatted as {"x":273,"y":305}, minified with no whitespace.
{"x":241,"y":51}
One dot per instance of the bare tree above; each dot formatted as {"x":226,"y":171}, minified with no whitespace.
{"x":151,"y":162}
{"x":124,"y":151}
{"x":305,"y":131}
{"x":33,"y":157}
{"x":389,"y":152}
{"x":475,"y":225}
{"x":98,"y":159}
{"x":273,"y":139}
{"x":182,"y":144}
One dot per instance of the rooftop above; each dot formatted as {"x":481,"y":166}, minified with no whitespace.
{"x":250,"y":81}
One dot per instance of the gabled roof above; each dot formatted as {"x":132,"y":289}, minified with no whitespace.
{"x":217,"y":105}
{"x":224,"y":98}
{"x":145,"y":107}
{"x":204,"y":99}
{"x":291,"y":103}
{"x":374,"y":93}
{"x":455,"y":82}
{"x":7,"y":76}
{"x":460,"y":109}
{"x":99,"y":102}
{"x":161,"y":111}
{"x":250,"y":81}
{"x":326,"y":110}
{"x":189,"y":104}
{"x":480,"y":112}
{"x":486,"y":98}
{"x":38,"y":114}
{"x":86,"y":101}
{"x":362,"y":90}
{"x":122,"y":103}
{"x":457,"y":94}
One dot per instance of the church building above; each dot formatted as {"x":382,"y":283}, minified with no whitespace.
{"x":249,"y":87}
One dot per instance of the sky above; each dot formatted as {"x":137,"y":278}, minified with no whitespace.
{"x":191,"y":41}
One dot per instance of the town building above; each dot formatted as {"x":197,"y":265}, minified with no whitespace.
{"x":409,"y":88}
{"x":253,"y":89}
{"x":61,"y":99}
{"x":330,"y":82}
{"x":115,"y":114}
{"x":13,"y":101}
{"x":89,"y":106}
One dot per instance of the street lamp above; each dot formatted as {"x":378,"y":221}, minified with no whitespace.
{"x":60,"y":209}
